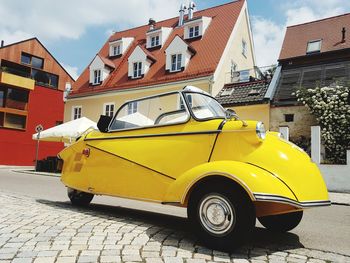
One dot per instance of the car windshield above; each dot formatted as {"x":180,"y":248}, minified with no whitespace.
{"x":204,"y":107}
{"x":164,"y":109}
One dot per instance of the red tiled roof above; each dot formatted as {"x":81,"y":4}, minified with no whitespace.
{"x":107,"y":62}
{"x":208,"y":49}
{"x":329,"y":30}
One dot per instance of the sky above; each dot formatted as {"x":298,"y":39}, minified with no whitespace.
{"x":75,"y":30}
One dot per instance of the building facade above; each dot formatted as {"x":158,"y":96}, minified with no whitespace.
{"x":31,"y":93}
{"x":196,"y":48}
{"x":313,"y":54}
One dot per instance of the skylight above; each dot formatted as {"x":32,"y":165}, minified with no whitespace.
{"x":228,"y":92}
{"x":254,"y":91}
{"x":314,"y":46}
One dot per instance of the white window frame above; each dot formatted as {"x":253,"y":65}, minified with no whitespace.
{"x":132,"y":107}
{"x":244,"y":48}
{"x":76,"y":114}
{"x":193,"y":31}
{"x":116,"y":50}
{"x":109,"y":111}
{"x":97,"y":76}
{"x":177,"y":62}
{"x":315,"y":50}
{"x":137,"y":72}
{"x":155,"y":41}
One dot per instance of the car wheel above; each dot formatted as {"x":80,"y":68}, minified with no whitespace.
{"x":283,"y":222}
{"x":79,"y":198}
{"x":222,"y":216}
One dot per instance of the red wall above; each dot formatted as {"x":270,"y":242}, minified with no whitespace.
{"x":45,"y":107}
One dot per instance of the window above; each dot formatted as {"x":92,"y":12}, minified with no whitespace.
{"x":44,"y":78}
{"x":132,"y":107}
{"x":313,"y":46}
{"x":116,"y":50}
{"x":33,"y":61}
{"x":176,"y":62}
{"x":151,"y":111}
{"x":189,"y":100}
{"x":205,"y":107}
{"x":97,"y":76}
{"x":137,"y":69}
{"x":193,"y":31}
{"x":154,"y":41}
{"x":76,"y":113}
{"x":11,"y":98}
{"x":244,"y":48}
{"x":288,"y":117}
{"x":228,"y":92}
{"x":17,"y":99}
{"x":108,"y":109}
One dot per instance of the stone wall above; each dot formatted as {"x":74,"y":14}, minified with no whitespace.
{"x":301,"y":124}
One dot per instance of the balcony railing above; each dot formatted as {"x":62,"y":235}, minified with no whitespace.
{"x":252,"y":74}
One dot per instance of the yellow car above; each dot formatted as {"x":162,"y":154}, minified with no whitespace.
{"x":182,"y":148}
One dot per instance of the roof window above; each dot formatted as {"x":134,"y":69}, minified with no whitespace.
{"x":314,"y":46}
{"x":228,"y":92}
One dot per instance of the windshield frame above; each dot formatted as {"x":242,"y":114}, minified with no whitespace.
{"x":190,"y":107}
{"x":189,"y":114}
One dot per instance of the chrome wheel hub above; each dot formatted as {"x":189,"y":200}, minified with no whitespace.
{"x":217,"y":214}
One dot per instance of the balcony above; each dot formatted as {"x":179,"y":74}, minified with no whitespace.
{"x":16,"y":81}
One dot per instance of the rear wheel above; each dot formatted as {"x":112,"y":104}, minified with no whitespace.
{"x":283,"y":222}
{"x":79,"y":198}
{"x":221,"y":215}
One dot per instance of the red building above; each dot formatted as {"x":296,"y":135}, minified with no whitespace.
{"x":32,"y":83}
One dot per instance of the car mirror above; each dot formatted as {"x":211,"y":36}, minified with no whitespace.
{"x":230,"y":114}
{"x":103,"y":123}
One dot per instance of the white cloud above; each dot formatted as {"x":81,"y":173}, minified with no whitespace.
{"x":73,"y":71}
{"x":53,"y":20}
{"x":268,"y":35}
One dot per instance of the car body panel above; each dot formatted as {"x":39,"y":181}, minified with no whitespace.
{"x":163,"y":163}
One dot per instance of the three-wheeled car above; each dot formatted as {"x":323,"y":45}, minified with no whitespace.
{"x":183,"y":148}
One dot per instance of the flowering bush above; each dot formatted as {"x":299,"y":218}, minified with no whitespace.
{"x":331,"y":107}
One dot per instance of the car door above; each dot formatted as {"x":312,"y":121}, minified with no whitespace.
{"x":150,"y":144}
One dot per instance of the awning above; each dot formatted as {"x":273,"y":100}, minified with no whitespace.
{"x":66,"y":132}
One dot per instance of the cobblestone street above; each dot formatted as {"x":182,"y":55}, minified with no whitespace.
{"x":34,"y":230}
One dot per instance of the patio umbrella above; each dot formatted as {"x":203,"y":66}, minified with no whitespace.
{"x":66,"y":132}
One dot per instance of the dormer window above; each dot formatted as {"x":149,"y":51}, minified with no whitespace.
{"x":178,"y":55}
{"x":176,"y":62}
{"x":156,"y":37}
{"x":154,"y":41}
{"x":196,"y":27}
{"x":97,"y":76}
{"x":119,"y":46}
{"x":313,"y":46}
{"x":99,"y":69}
{"x":140,"y":61}
{"x":137,"y":69}
{"x":116,"y":50}
{"x":193,"y":31}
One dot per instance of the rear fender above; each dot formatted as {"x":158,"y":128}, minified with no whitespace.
{"x":251,"y":178}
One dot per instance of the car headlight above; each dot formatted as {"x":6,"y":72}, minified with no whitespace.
{"x":260,"y":130}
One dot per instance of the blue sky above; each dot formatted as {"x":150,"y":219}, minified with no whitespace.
{"x":74,"y":31}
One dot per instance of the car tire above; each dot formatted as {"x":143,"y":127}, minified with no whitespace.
{"x":283,"y":222}
{"x":79,"y":198}
{"x":222,"y":215}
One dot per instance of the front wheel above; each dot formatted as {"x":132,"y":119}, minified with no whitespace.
{"x":283,"y":222}
{"x":221,"y":215}
{"x":79,"y":198}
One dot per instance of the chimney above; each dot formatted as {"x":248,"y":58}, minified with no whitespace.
{"x":182,"y":14}
{"x":2,"y":43}
{"x":151,"y":23}
{"x":343,"y":35}
{"x":191,"y":7}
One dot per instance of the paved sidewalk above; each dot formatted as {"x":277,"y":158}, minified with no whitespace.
{"x":42,"y":231}
{"x":340,"y":198}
